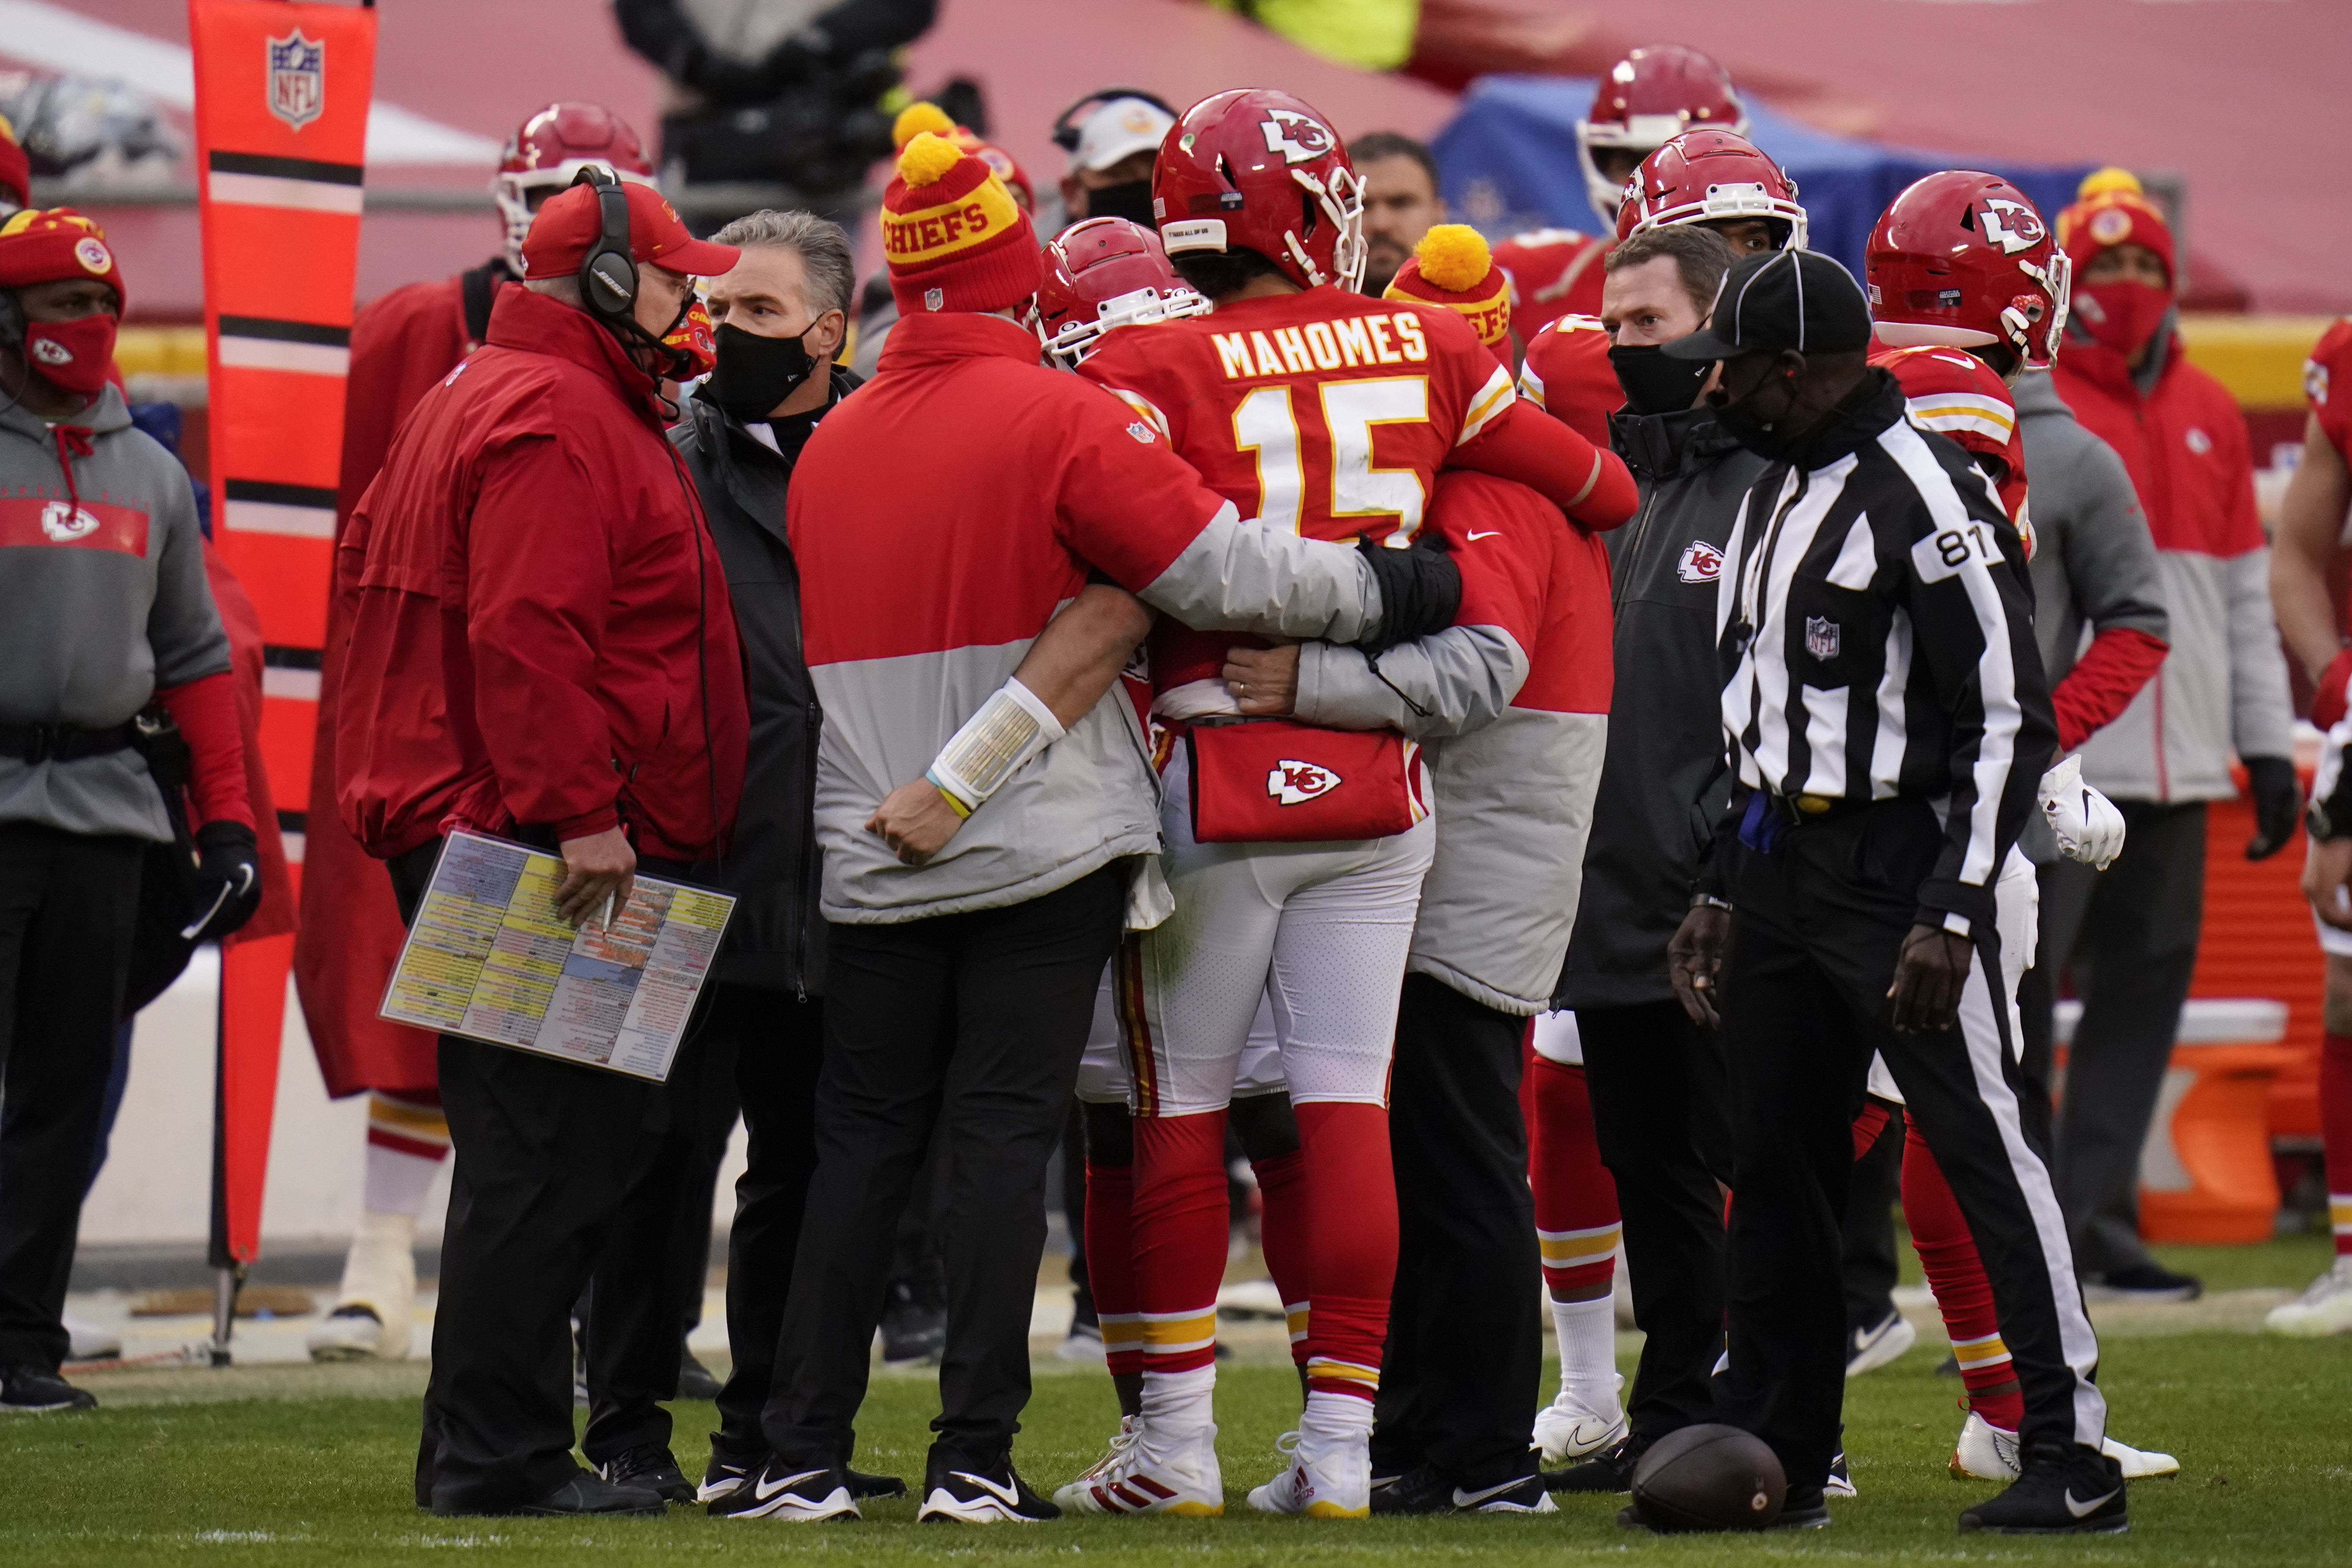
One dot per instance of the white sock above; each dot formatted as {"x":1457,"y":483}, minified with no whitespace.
{"x":1333,"y":1414}
{"x":1588,"y":1350}
{"x":396,"y":1181}
{"x":1179,"y":1408}
{"x":380,"y":1270}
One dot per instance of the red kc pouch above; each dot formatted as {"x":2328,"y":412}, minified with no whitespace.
{"x":1273,"y":781}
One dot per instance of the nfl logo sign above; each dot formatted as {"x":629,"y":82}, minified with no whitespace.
{"x":1820,"y":636}
{"x":298,"y":78}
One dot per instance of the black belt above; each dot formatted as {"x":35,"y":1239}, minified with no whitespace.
{"x":64,"y":742}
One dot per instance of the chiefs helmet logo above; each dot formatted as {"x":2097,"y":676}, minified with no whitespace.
{"x":1700,"y":562}
{"x":1298,"y":139}
{"x":1289,"y":782}
{"x":66,"y":522}
{"x":2012,"y":226}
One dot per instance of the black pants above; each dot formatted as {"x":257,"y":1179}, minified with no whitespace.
{"x":964,"y":1029}
{"x":1662,"y":1117}
{"x":779,"y":1043}
{"x":2129,"y":933}
{"x":554,"y":1161}
{"x":67,"y":906}
{"x":1459,"y":1379}
{"x":1818,"y":925}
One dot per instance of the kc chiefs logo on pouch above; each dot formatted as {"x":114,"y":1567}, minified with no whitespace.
{"x":1701,"y":563}
{"x":1289,"y":782}
{"x":1298,"y":139}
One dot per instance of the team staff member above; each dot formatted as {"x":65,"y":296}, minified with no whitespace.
{"x":543,"y":646}
{"x":1888,"y":724}
{"x":979,"y":831}
{"x":1400,"y":202}
{"x":2221,"y":689}
{"x":103,"y":611}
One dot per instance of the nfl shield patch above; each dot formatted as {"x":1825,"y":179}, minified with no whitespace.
{"x":1820,"y":636}
{"x":298,"y":78}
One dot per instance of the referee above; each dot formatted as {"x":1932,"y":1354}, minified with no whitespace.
{"x":1887,"y":718}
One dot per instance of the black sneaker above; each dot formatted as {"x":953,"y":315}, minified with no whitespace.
{"x":695,"y":1381}
{"x":730,"y":1468}
{"x":912,"y":1328}
{"x":993,"y":1494}
{"x":2066,"y":1490}
{"x":862,"y":1485}
{"x":1841,"y":1482}
{"x":794,"y":1494}
{"x":2149,"y":1282}
{"x":1612,"y":1471}
{"x":1805,"y":1509}
{"x":651,"y":1466}
{"x":1424,"y":1491}
{"x":585,"y":1493}
{"x":37,"y":1391}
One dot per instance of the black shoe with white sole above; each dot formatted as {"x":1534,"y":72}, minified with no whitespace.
{"x":652,"y":1467}
{"x":2143,"y":1282}
{"x":37,"y":1391}
{"x":794,"y":1494}
{"x":585,"y":1493}
{"x":731,"y":1468}
{"x":2066,"y":1490}
{"x":957,"y":1491}
{"x":1612,"y":1471}
{"x":1424,"y":1491}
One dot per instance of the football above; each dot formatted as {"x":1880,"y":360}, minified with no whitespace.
{"x":1708,"y":1478}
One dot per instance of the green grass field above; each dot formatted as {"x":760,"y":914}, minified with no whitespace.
{"x":301,"y":1466}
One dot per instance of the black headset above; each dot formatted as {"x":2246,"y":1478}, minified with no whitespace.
{"x":1066,"y":130}
{"x":608,"y":273}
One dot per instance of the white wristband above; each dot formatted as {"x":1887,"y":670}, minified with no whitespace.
{"x":1012,"y":726}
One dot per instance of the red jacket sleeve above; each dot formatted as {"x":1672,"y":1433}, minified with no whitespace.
{"x":539,"y":586}
{"x":2102,"y":682}
{"x":205,"y":711}
{"x":1523,"y":443}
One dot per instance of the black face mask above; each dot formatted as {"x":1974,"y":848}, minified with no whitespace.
{"x":755,"y":374}
{"x":1131,"y":200}
{"x":1654,"y":382}
{"x":1769,"y":439}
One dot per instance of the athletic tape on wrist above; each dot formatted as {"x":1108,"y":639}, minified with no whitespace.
{"x":1012,"y":726}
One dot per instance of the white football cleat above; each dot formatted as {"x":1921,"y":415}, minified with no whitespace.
{"x":1138,"y":1476}
{"x":1571,"y":1428}
{"x":2325,"y":1308}
{"x":1328,"y":1478}
{"x":376,"y":1308}
{"x":86,"y":1340}
{"x":1986,"y":1453}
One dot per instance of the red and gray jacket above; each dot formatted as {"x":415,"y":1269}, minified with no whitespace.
{"x":2223,"y":686}
{"x":940,"y":519}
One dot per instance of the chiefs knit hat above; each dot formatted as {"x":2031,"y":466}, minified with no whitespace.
{"x":1451,"y":266}
{"x":15,"y":168}
{"x":953,"y":235}
{"x":568,"y":224}
{"x":38,"y":247}
{"x":924,"y":115}
{"x":2111,"y":209}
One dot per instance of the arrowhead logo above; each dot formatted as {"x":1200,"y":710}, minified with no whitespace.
{"x":1298,"y":139}
{"x":66,"y":522}
{"x":2012,"y":226}
{"x":1700,"y":562}
{"x":1289,"y":782}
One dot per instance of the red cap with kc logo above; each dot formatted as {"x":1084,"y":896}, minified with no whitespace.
{"x":44,"y":247}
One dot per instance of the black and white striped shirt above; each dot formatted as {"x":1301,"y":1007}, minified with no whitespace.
{"x":1877,"y":635}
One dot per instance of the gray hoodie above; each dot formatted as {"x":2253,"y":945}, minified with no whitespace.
{"x":98,"y":607}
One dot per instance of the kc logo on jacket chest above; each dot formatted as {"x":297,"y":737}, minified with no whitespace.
{"x":1700,"y":562}
{"x":64,"y":522}
{"x":1290,"y":783}
{"x":1820,"y":636}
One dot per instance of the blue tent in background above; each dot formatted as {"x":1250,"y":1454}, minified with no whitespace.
{"x":1509,"y":164}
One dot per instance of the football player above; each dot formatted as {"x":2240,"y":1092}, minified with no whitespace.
{"x":1320,"y":411}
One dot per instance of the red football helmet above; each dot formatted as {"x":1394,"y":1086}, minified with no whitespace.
{"x":548,"y":148}
{"x":1103,"y":273}
{"x":1963,"y":259}
{"x":1258,"y":169}
{"x":1704,"y":175}
{"x":1648,"y":99}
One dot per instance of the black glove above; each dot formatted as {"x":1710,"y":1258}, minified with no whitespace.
{"x":2278,"y":801}
{"x":1420,"y":590}
{"x":229,"y":880}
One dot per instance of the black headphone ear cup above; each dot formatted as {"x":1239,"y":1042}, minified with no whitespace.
{"x":610,"y":284}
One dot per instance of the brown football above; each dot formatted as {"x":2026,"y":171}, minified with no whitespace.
{"x":1708,"y":1478}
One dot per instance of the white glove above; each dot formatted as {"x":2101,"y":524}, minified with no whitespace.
{"x":2085,"y":823}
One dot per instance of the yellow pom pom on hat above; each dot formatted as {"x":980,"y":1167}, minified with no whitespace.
{"x":1452,"y":267}
{"x":2111,"y":208}
{"x":917,"y":117}
{"x":952,"y":235}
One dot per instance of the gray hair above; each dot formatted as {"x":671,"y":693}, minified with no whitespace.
{"x":562,"y":287}
{"x":822,"y":245}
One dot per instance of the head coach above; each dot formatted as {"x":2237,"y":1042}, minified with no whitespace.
{"x":941,"y":517}
{"x":542,"y":646}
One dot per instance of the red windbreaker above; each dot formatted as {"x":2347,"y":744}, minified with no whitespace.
{"x":540,"y":631}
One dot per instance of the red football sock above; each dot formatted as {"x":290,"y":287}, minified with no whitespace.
{"x":2336,"y":1129}
{"x":1352,"y":1235}
{"x":1180,"y":1224}
{"x":1869,"y":1125}
{"x":1963,"y":1290}
{"x":1110,"y":1263}
{"x":1282,"y":1235}
{"x":1576,"y":1198}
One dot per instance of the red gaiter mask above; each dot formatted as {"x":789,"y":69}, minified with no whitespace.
{"x":2121,"y":314}
{"x":75,"y":355}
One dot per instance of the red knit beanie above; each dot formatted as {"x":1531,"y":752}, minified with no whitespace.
{"x":2111,"y":209}
{"x":44,"y":247}
{"x":1451,"y":266}
{"x":953,"y":235}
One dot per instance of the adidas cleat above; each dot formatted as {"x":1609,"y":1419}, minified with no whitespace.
{"x":1328,"y":1478}
{"x":2324,"y":1307}
{"x":1138,"y":1476}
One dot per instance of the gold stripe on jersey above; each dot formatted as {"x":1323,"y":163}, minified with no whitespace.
{"x":1295,"y":1316}
{"x":1495,"y":396}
